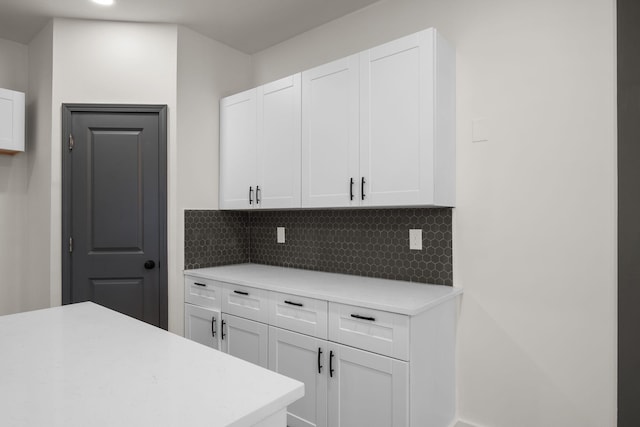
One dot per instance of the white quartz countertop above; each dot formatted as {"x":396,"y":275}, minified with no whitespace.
{"x":380,"y":294}
{"x":85,"y":365}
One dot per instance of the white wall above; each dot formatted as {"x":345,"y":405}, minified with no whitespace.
{"x":111,"y":62}
{"x":207,"y":71}
{"x":13,"y":190}
{"x":38,"y":239}
{"x":535,"y":222}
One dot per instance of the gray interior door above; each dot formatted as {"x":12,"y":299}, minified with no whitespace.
{"x":115,"y":209}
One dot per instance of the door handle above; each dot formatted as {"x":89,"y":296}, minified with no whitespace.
{"x":149,"y":264}
{"x":331,"y":364}
{"x":319,"y":365}
{"x":250,"y":195}
{"x":213,"y":326}
{"x":258,"y":194}
{"x":350,"y":188}
{"x":222,"y":329}
{"x":362,"y":188}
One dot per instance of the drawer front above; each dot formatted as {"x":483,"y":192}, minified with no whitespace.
{"x":374,"y":330}
{"x":202,"y":292}
{"x":299,"y":314}
{"x":242,"y":301}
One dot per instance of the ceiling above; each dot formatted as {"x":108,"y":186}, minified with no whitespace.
{"x":247,"y":25}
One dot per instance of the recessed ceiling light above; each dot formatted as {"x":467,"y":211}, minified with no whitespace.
{"x":103,"y":2}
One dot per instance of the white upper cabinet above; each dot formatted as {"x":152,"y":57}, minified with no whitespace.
{"x":374,"y":129}
{"x":279,"y":144}
{"x":407,"y":110}
{"x":330,"y":134}
{"x":11,"y":121}
{"x":260,"y":147}
{"x":238,"y":157}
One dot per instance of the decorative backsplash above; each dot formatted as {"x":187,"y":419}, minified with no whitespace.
{"x":214,"y":238}
{"x":364,"y":242}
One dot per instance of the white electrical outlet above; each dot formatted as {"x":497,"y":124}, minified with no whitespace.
{"x":280,"y":234}
{"x":415,"y":239}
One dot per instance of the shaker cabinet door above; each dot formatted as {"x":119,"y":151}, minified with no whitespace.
{"x":396,"y":121}
{"x":238,"y":157}
{"x":202,"y":325}
{"x":279,"y":144}
{"x":302,"y":358}
{"x":366,"y":389}
{"x":330,"y":134}
{"x":245,"y":339}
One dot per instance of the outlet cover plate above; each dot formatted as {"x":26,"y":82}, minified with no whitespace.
{"x":415,"y":239}
{"x":280,"y":234}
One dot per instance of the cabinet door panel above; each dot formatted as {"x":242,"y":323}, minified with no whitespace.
{"x":12,"y":121}
{"x":238,"y":142}
{"x":330,"y":134}
{"x":201,"y":325}
{"x":245,"y":339}
{"x":367,"y":390}
{"x":396,"y":149}
{"x":296,"y":356}
{"x":279,"y":143}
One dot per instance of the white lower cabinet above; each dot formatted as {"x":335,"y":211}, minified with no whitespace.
{"x":302,"y":358}
{"x":201,"y":325}
{"x":366,"y":389}
{"x":361,"y":366}
{"x":244,"y":339}
{"x":344,"y":386}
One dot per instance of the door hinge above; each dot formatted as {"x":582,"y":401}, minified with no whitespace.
{"x":70,"y":244}
{"x":71,"y":142}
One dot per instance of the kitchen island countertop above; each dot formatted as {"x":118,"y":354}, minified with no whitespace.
{"x":85,"y":365}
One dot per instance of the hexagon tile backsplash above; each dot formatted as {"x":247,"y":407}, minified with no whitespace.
{"x":364,"y":242}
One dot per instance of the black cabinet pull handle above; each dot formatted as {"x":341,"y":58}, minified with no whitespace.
{"x":222,"y":328}
{"x":213,"y":326}
{"x":351,"y":188}
{"x":331,"y":364}
{"x":199,"y":284}
{"x":357,"y":316}
{"x":241,"y":292}
{"x":362,"y":188}
{"x":250,"y":195}
{"x":258,"y":194}
{"x":297,"y":304}
{"x":319,"y":365}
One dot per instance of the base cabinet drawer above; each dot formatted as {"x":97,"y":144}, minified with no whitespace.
{"x":374,"y":330}
{"x":202,"y":325}
{"x":299,"y":314}
{"x":202,"y":292}
{"x":243,"y":301}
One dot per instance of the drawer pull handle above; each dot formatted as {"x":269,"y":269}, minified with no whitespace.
{"x":222,"y":328}
{"x":357,"y":316}
{"x":319,"y":365}
{"x":331,"y":364}
{"x":297,"y":304}
{"x":213,"y":326}
{"x":241,"y":292}
{"x":199,"y":284}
